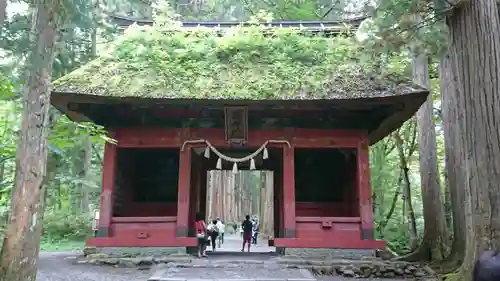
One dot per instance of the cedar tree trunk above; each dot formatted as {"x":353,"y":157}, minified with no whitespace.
{"x":475,"y":61}
{"x":453,"y":160}
{"x":433,"y":246}
{"x":3,"y":13}
{"x":22,"y":238}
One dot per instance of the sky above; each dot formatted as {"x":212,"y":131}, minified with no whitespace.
{"x":16,"y":8}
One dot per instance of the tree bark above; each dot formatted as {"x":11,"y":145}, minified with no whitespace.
{"x":3,"y":13}
{"x":447,"y":200}
{"x":475,"y":60}
{"x":22,"y":238}
{"x":454,"y":158}
{"x":433,"y":246}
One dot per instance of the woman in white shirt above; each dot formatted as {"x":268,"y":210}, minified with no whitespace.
{"x":221,"y":227}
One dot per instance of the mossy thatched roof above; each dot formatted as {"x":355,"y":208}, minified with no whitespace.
{"x":242,"y":63}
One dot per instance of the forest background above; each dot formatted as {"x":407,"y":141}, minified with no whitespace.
{"x":417,"y":181}
{"x":74,"y":166}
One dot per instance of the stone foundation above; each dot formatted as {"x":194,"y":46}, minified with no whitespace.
{"x":365,"y":269}
{"x":329,"y":254}
{"x":132,"y":252}
{"x":374,"y":268}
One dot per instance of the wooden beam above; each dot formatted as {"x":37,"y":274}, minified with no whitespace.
{"x":302,"y":138}
{"x":184,"y":188}
{"x":351,"y":243}
{"x":136,"y":242}
{"x":289,"y":191}
{"x":316,"y":26}
{"x":364,"y":191}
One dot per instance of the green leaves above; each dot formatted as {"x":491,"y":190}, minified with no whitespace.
{"x":6,"y":89}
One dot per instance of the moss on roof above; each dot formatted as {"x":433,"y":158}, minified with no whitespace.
{"x":242,"y":63}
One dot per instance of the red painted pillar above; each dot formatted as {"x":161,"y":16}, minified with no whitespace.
{"x":289,"y":192}
{"x":108,"y":183}
{"x":193,"y":200}
{"x":184,"y":187}
{"x":199,"y":175}
{"x":203,"y":191}
{"x":365,"y":196}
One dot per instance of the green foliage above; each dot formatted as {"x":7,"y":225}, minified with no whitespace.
{"x":6,"y":89}
{"x":61,"y":245}
{"x":58,"y":226}
{"x":251,"y":62}
{"x":406,"y":25}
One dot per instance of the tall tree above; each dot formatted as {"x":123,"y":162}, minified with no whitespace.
{"x":453,"y":159}
{"x":22,"y":238}
{"x":435,"y":232}
{"x":475,"y":60}
{"x":433,"y":245}
{"x":3,"y":13}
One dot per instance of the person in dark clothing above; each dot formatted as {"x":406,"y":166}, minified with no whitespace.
{"x":247,"y":227}
{"x":213,"y":232}
{"x":487,"y":267}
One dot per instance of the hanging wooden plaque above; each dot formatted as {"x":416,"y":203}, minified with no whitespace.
{"x":236,"y":124}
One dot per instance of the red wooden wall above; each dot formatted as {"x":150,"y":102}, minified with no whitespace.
{"x":313,"y":209}
{"x":301,"y":224}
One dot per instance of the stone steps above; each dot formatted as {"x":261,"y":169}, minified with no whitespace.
{"x":267,"y":272}
{"x":153,"y":278}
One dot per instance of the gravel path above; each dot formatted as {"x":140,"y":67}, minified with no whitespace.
{"x":62,"y":267}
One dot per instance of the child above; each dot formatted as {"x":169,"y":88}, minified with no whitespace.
{"x":221,"y":227}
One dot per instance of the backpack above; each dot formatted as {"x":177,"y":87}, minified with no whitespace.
{"x":214,"y":228}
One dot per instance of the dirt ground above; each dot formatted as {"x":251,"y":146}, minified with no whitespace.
{"x":62,"y":267}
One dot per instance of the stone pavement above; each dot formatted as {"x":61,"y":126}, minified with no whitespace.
{"x":232,"y":272}
{"x":232,"y":244}
{"x":228,"y":263}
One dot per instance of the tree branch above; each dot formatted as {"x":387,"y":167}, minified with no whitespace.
{"x":98,"y":156}
{"x":384,"y":223}
{"x":6,"y":158}
{"x":330,"y":10}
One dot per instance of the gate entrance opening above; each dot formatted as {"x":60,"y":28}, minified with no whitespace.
{"x":231,"y":195}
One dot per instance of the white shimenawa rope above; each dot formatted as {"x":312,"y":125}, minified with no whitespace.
{"x":250,"y":157}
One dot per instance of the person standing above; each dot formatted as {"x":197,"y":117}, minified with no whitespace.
{"x":255,"y":235}
{"x":221,"y":227}
{"x":213,"y":232}
{"x":247,"y":228}
{"x":201,"y":235}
